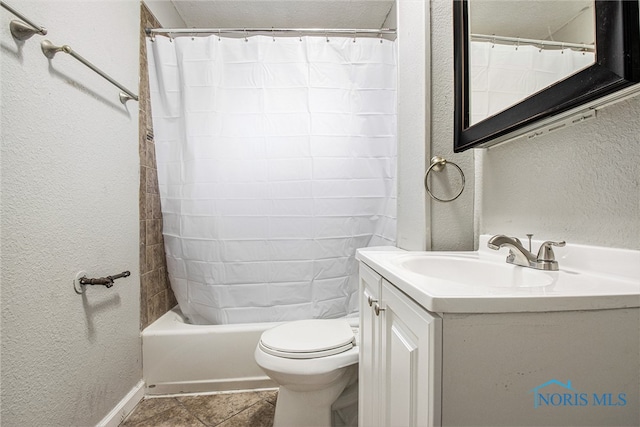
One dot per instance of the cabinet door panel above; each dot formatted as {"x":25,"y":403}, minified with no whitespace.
{"x":410,"y":360}
{"x":368,"y":369}
{"x":401,"y":389}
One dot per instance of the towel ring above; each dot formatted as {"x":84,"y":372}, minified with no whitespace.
{"x":437,"y":164}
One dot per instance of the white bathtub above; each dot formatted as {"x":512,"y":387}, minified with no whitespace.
{"x":178,"y":357}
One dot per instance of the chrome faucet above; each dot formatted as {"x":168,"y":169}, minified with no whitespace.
{"x":518,"y":255}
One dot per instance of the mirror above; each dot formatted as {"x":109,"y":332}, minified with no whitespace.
{"x":522,"y":64}
{"x":510,"y":58}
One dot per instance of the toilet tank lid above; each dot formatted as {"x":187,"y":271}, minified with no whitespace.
{"x":309,"y":336}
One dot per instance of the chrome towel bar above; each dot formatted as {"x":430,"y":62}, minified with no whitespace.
{"x":20,"y":30}
{"x":24,"y":30}
{"x":50,"y":50}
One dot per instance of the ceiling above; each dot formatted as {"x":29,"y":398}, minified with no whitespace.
{"x":284,"y":13}
{"x":501,"y":17}
{"x":515,"y":18}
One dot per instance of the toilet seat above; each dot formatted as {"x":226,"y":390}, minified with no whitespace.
{"x":308,"y":339}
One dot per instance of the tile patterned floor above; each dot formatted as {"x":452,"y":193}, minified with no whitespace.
{"x":245,"y":409}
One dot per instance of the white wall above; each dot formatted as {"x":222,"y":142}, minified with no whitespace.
{"x":69,"y":203}
{"x":413,"y":128}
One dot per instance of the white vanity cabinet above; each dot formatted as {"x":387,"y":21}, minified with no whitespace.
{"x":400,"y":341}
{"x":558,"y":368}
{"x":369,"y":360}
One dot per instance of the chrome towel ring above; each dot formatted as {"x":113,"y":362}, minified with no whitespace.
{"x":437,"y":164}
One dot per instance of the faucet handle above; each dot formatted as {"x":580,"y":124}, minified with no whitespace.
{"x":545,"y":253}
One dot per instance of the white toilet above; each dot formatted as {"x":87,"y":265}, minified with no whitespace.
{"x":313,"y":362}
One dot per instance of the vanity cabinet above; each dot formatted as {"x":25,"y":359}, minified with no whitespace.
{"x":399,"y":371}
{"x":559,"y":368}
{"x":369,"y":358}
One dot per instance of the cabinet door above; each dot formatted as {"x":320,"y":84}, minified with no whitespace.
{"x":410,"y":360}
{"x":368,"y":369}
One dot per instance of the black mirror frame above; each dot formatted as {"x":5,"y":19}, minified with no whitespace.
{"x":617,"y":66}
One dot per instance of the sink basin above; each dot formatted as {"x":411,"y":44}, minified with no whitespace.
{"x":589,"y":278}
{"x":474,"y":271}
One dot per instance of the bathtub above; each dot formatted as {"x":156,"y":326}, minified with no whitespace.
{"x":178,"y":357}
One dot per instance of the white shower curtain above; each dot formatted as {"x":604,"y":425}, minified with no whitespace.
{"x":276,"y":161}
{"x":503,"y":75}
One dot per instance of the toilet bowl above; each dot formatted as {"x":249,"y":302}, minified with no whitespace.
{"x":313,"y":361}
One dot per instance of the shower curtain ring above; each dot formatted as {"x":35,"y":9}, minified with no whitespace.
{"x":355,"y":34}
{"x":245,"y":35}
{"x":273,"y":34}
{"x":219,"y":39}
{"x":326,"y":36}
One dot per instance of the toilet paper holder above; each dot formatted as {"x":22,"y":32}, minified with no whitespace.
{"x":82,"y":281}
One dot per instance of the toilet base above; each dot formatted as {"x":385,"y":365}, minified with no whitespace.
{"x":310,"y":408}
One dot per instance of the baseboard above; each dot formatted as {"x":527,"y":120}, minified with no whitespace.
{"x":124,"y":407}
{"x":210,"y":386}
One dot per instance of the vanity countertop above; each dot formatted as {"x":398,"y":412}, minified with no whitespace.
{"x":589,"y":278}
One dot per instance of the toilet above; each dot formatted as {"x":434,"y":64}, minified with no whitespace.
{"x":313,"y":362}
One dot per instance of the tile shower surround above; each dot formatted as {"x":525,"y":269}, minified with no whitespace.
{"x":156,"y":296}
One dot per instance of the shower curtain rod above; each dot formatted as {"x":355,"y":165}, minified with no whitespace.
{"x":540,"y":43}
{"x":270,"y":31}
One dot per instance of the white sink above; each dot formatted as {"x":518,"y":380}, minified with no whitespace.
{"x":475,"y":272}
{"x":589,"y":278}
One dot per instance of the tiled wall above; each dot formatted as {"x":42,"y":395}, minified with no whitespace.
{"x":156,"y":296}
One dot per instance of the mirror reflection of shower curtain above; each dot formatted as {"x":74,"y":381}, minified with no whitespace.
{"x":276,"y":161}
{"x":501,"y":75}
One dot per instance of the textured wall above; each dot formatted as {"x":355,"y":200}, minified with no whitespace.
{"x":452,"y":224}
{"x":581,"y":184}
{"x":69,"y":203}
{"x":156,"y":296}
